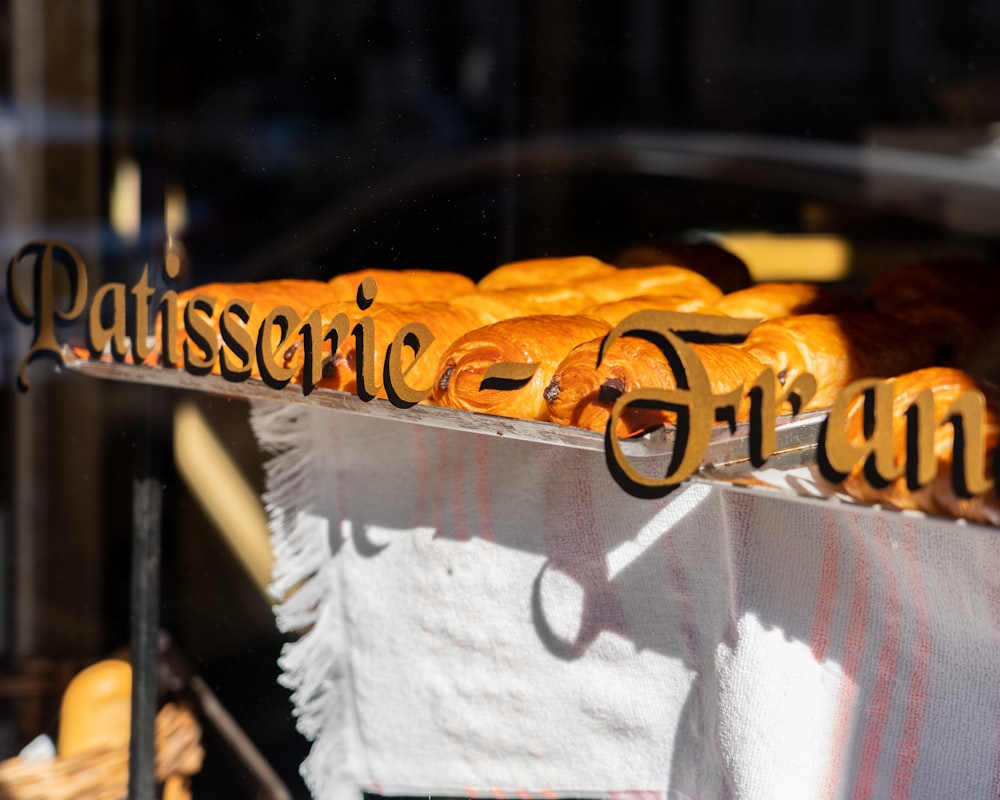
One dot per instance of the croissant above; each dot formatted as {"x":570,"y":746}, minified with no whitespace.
{"x":663,"y":279}
{"x":938,"y":496}
{"x":582,"y":392}
{"x":615,"y":311}
{"x":464,"y":379}
{"x":544,"y":271}
{"x":403,"y":286}
{"x":836,"y":349}
{"x":778,"y":299}
{"x":445,"y":321}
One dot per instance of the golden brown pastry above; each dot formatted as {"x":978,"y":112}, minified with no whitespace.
{"x":615,"y":311}
{"x":778,"y":299}
{"x":938,"y":496}
{"x":721,"y":266}
{"x":836,"y":349}
{"x":544,"y":271}
{"x":403,"y":285}
{"x":524,"y":301}
{"x":300,"y":295}
{"x":663,"y":279}
{"x":583,"y":392}
{"x":96,"y":708}
{"x":952,"y":303}
{"x":464,"y":380}
{"x":445,"y":321}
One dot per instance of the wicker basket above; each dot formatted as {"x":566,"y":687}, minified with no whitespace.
{"x":103,"y":774}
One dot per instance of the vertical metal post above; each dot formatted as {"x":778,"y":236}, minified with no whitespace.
{"x":147,"y":516}
{"x":147,"y":481}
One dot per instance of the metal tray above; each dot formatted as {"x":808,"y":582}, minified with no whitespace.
{"x":796,"y":437}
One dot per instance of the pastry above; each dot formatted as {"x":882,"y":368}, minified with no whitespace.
{"x":544,"y":271}
{"x":778,"y":299}
{"x":583,"y":392}
{"x":445,"y":322}
{"x":264,"y":296}
{"x":616,"y":310}
{"x":721,"y":266}
{"x":524,"y":301}
{"x":470,"y":376}
{"x":634,"y":281}
{"x":95,"y":710}
{"x":951,"y":302}
{"x":402,"y":286}
{"x":938,"y":495}
{"x":836,"y":349}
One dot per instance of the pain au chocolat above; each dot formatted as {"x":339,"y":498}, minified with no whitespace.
{"x":617,"y":310}
{"x":524,"y":301}
{"x":953,"y":305}
{"x":446,"y":322}
{"x":662,"y":279}
{"x":772,"y":299}
{"x":564,"y":271}
{"x":582,"y":391}
{"x":836,"y":349}
{"x":298,"y":294}
{"x":937,"y":496}
{"x":533,"y":346}
{"x":403,"y":286}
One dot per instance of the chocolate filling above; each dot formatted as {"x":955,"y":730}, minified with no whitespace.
{"x":329,"y":366}
{"x":445,"y":378}
{"x":291,"y":351}
{"x":551,"y":391}
{"x":611,"y":390}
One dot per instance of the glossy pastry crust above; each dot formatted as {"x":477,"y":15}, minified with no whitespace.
{"x":543,"y":340}
{"x":937,"y":497}
{"x":444,"y":320}
{"x":583,"y":392}
{"x":663,"y":279}
{"x":616,"y":310}
{"x":403,"y":286}
{"x":299,"y":295}
{"x":778,"y":299}
{"x":836,"y":349}
{"x":524,"y":301}
{"x":544,"y":272}
{"x":721,"y":266}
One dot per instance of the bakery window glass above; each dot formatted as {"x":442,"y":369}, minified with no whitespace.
{"x":305,"y":139}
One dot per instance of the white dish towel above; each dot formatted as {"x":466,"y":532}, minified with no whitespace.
{"x":495,"y":618}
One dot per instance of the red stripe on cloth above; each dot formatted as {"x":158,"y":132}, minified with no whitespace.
{"x":880,"y":704}
{"x":440,"y":438}
{"x":456,"y":486}
{"x":484,"y":498}
{"x":916,"y":700}
{"x":420,"y":457}
{"x":854,"y":645}
{"x":575,"y":547}
{"x":829,"y":568}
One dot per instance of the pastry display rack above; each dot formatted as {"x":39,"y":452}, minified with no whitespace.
{"x":728,"y":452}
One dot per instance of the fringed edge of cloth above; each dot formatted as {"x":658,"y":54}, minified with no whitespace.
{"x":305,"y":588}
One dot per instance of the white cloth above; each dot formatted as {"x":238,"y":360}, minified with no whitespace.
{"x":483,"y":616}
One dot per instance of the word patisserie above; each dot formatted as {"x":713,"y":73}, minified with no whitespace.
{"x":619,"y":350}
{"x":118,"y":321}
